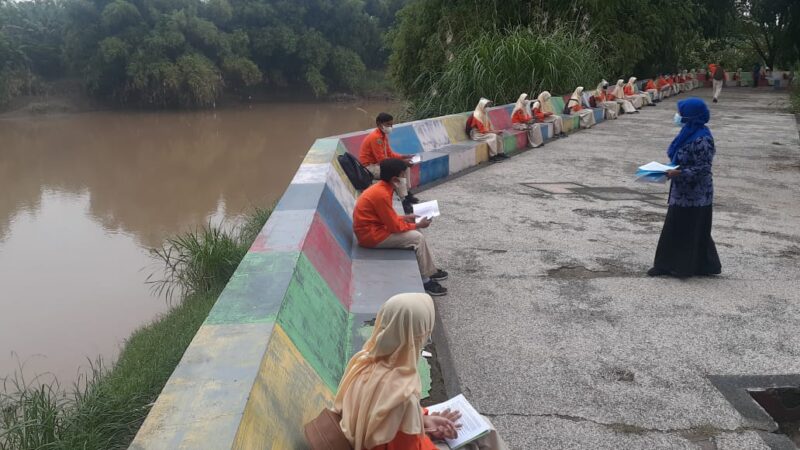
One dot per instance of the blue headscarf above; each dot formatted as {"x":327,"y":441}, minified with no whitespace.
{"x":695,"y":115}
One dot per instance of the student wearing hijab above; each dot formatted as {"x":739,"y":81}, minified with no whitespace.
{"x":619,"y":95}
{"x":479,"y":127}
{"x":630,"y":92}
{"x":575,"y":107}
{"x":522,"y":119}
{"x":663,"y":86}
{"x":685,"y":247}
{"x":651,"y":88}
{"x":379,"y":395}
{"x":543,"y":112}
{"x":604,"y":100}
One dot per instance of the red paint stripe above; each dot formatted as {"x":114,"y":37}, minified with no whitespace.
{"x":353,"y":143}
{"x":327,"y":256}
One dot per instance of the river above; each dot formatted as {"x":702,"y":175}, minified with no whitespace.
{"x":85,"y":196}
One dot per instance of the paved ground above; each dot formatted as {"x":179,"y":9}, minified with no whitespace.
{"x":556,"y":332}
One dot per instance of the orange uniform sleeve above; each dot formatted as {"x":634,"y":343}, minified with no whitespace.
{"x":538,"y":114}
{"x":404,"y":441}
{"x":480,"y":126}
{"x":520,"y":117}
{"x":393,"y":222}
{"x":628,"y":90}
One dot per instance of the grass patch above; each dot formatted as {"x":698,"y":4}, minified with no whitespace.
{"x":794,"y":96}
{"x":106,"y":407}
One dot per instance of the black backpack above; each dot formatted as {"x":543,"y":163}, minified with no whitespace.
{"x":719,"y":73}
{"x":359,"y":176}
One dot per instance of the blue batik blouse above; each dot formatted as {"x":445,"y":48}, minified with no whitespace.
{"x":695,"y":185}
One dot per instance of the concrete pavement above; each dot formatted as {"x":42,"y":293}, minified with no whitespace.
{"x":556,"y":333}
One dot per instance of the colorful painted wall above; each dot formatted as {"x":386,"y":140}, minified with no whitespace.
{"x":271,"y":352}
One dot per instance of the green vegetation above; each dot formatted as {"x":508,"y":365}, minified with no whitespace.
{"x":106,"y":407}
{"x":438,"y":43}
{"x":795,"y":97}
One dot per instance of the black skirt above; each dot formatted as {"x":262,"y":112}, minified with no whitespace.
{"x":685,"y":247}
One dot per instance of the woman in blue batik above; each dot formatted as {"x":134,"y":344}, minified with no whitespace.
{"x":686,"y":247}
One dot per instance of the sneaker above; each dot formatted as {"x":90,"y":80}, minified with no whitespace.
{"x":408,"y":207}
{"x":411,"y":199}
{"x":715,"y":100}
{"x":502,"y":156}
{"x":563,"y":135}
{"x":435,"y":289}
{"x":440,"y":275}
{"x":495,"y":158}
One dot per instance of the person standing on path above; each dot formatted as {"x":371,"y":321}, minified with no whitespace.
{"x":685,"y":247}
{"x":376,"y":148}
{"x":717,"y":79}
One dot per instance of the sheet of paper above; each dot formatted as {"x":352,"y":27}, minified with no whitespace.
{"x":427,"y":209}
{"x":473,"y":426}
{"x":656,"y":167}
{"x":416,"y":159}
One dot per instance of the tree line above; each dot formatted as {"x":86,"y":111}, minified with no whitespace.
{"x":187,"y":53}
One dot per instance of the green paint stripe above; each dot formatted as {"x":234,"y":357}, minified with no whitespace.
{"x":317,"y":323}
{"x":424,"y":369}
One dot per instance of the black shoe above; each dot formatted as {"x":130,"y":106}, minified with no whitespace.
{"x":715,"y":101}
{"x":656,"y":272}
{"x":440,"y":275}
{"x":408,"y":207}
{"x":411,"y":199}
{"x":563,"y":135}
{"x":503,"y":156}
{"x":496,"y":159}
{"x":435,"y":289}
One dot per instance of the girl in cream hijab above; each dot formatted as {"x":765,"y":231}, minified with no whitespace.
{"x":543,"y":111}
{"x":575,"y":107}
{"x":480,"y":130}
{"x":630,"y":91}
{"x":602,"y":101}
{"x":379,"y":395}
{"x":630,"y":95}
{"x":619,"y":94}
{"x":522,"y":119}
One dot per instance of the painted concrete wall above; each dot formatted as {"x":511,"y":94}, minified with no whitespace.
{"x":270,"y":354}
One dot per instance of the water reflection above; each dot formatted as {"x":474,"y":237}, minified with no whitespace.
{"x":83,"y":194}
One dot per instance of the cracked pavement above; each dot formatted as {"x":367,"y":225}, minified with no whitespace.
{"x":554,"y":329}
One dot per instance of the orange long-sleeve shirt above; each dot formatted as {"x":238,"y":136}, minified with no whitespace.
{"x":650,"y":85}
{"x":520,"y":117}
{"x":480,"y":126}
{"x":374,"y":218}
{"x":628,"y":90}
{"x":540,"y":116}
{"x":576,"y":106}
{"x":376,"y":148}
{"x":404,"y":441}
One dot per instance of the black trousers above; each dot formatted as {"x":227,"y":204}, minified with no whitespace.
{"x":685,"y":247}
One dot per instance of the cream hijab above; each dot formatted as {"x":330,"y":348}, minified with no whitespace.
{"x":520,"y":105}
{"x":577,"y":95}
{"x":632,"y":83}
{"x":601,"y":89}
{"x":480,"y":112}
{"x":618,"y":91}
{"x":380,"y":392}
{"x":544,"y":104}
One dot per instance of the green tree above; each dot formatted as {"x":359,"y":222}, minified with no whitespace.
{"x":772,"y":28}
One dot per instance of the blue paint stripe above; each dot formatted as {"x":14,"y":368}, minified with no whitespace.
{"x":339,"y":223}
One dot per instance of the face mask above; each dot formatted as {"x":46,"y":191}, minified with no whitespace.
{"x":677,"y":120}
{"x":387,"y":129}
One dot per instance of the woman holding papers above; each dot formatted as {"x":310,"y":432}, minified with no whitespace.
{"x":686,"y":247}
{"x":379,"y":395}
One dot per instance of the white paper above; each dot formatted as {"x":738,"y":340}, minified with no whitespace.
{"x":427,"y":209}
{"x":416,"y":159}
{"x":656,"y":167}
{"x":473,"y":426}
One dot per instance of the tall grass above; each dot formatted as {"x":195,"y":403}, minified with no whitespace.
{"x":106,"y":406}
{"x":794,"y":96}
{"x":500,"y":65}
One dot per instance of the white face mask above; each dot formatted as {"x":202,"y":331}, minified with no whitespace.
{"x":387,"y":129}
{"x":677,"y":119}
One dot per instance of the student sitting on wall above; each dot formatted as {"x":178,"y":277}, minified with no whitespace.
{"x":543,"y":112}
{"x":606,"y":101}
{"x":665,"y":90}
{"x":619,"y":95}
{"x":522,"y":119}
{"x":376,"y":148}
{"x":379,"y":395}
{"x":377,"y":225}
{"x":652,"y":89}
{"x":630,"y":91}
{"x":479,"y":129}
{"x":575,"y":107}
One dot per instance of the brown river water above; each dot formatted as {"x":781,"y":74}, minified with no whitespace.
{"x":83,"y":197}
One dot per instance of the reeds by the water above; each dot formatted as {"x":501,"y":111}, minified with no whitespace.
{"x":105,"y":407}
{"x":501,"y":64}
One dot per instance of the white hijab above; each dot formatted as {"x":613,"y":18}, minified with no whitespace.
{"x":618,"y":90}
{"x":480,"y":112}
{"x":544,"y":104}
{"x":577,"y":95}
{"x":520,"y":105}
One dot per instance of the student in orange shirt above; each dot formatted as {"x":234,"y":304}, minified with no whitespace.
{"x":543,"y":112}
{"x":522,"y":119}
{"x":479,"y":128}
{"x":619,"y":94}
{"x":377,"y":225}
{"x":630,"y":91}
{"x":663,"y":86}
{"x":652,"y":89}
{"x":575,"y":107}
{"x":376,"y":148}
{"x":606,"y":101}
{"x":379,"y":395}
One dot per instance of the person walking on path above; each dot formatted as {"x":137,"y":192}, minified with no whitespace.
{"x":685,"y":247}
{"x":379,"y":395}
{"x":717,"y":79}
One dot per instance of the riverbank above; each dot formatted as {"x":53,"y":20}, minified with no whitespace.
{"x":105,"y":408}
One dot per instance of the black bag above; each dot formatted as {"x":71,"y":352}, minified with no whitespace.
{"x":592,"y":102}
{"x":719,"y":73}
{"x":359,"y":176}
{"x":567,"y":111}
{"x":468,"y":126}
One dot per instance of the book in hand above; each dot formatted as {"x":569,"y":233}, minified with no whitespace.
{"x":653,"y":172}
{"x":473,"y":426}
{"x":427,"y":210}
